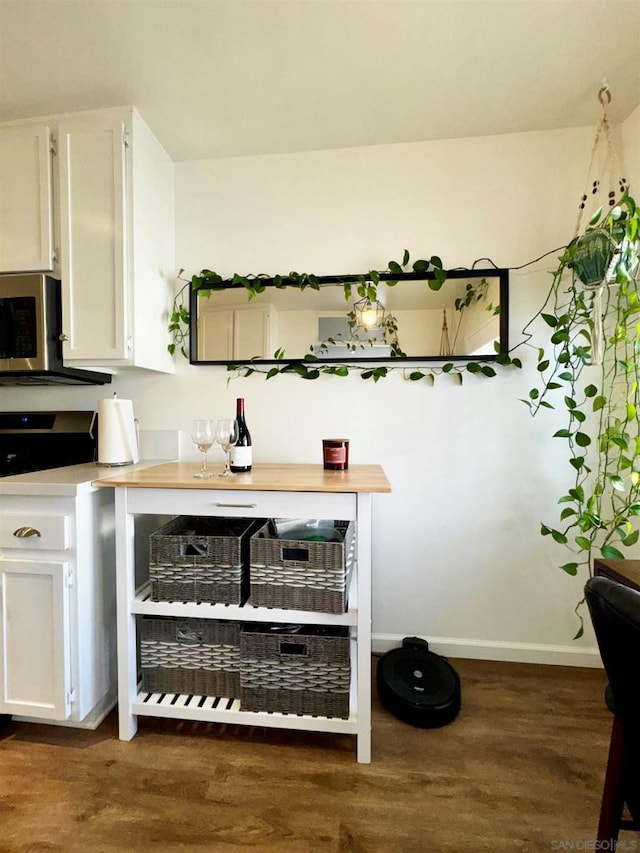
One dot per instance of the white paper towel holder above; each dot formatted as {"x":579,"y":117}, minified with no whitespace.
{"x":118,"y":433}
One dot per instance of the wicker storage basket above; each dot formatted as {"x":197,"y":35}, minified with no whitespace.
{"x":201,"y":559}
{"x":295,"y":669}
{"x":193,"y":656}
{"x":300,"y":575}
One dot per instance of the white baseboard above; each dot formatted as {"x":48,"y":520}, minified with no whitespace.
{"x":452,"y":647}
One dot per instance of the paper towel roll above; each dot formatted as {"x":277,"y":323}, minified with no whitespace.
{"x":117,"y":434}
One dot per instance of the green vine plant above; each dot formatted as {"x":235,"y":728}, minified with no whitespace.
{"x":474,"y":293}
{"x":366,"y":286}
{"x":179,"y":319}
{"x":593,"y":373}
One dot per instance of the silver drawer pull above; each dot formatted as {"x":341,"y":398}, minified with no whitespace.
{"x":239,"y":506}
{"x":24,"y":532}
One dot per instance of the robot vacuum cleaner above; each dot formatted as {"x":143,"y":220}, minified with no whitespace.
{"x":418,"y":686}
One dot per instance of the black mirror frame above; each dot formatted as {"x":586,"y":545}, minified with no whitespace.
{"x":494,"y":272}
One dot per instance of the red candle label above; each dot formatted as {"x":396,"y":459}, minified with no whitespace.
{"x":335,"y":455}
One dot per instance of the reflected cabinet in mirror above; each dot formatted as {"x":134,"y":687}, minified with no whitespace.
{"x":466,"y":318}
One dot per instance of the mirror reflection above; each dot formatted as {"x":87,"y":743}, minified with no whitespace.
{"x":466,"y":318}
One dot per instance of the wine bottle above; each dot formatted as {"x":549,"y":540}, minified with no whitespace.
{"x":240,"y":460}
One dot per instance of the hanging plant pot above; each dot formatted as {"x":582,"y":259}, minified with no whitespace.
{"x":590,"y":256}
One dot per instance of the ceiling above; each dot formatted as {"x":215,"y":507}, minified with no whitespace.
{"x":220,"y":78}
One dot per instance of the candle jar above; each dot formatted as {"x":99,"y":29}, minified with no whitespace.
{"x":335,"y":454}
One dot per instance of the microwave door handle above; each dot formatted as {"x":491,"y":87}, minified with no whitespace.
{"x":7,"y":330}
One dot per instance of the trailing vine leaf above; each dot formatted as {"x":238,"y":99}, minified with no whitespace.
{"x":178,"y":327}
{"x":366,"y":284}
{"x":608,"y":552}
{"x":602,"y":415}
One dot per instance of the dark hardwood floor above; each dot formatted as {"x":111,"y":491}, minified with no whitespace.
{"x":521,"y":769}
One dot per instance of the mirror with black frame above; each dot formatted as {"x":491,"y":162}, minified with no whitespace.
{"x":466,"y":318}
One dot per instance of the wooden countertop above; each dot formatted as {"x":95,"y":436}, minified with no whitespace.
{"x":262,"y":477}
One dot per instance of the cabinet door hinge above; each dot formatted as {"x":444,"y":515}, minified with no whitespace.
{"x":53,"y":145}
{"x":71,"y":696}
{"x":125,"y":137}
{"x":55,"y":256}
{"x":68,"y":577}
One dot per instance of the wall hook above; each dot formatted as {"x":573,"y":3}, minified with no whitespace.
{"x":604,"y":94}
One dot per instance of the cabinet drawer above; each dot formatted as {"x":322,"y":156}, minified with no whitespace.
{"x":34,"y":531}
{"x":243,"y":503}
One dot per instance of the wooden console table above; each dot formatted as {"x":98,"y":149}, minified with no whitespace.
{"x":626,"y":572}
{"x":268,"y":491}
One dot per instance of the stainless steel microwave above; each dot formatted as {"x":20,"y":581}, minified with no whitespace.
{"x":31,"y":334}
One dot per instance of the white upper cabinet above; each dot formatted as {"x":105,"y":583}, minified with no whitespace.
{"x":92,"y":163}
{"x":26,"y":201}
{"x":236,"y":332}
{"x":113,"y":189}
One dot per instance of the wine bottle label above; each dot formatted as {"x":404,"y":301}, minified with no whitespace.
{"x":240,"y":457}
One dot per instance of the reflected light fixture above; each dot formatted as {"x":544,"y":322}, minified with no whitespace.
{"x":369,"y":315}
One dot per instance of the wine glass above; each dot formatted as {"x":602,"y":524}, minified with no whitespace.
{"x":203,"y":434}
{"x":226,"y":436}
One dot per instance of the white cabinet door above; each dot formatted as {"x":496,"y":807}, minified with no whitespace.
{"x":92,"y":235}
{"x":242,"y":333}
{"x":215,"y":336}
{"x":252,"y":333}
{"x":34,"y":639}
{"x":26,"y":204}
{"x":107,"y":203}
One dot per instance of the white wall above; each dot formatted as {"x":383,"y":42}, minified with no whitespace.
{"x":458,"y":557}
{"x":631,"y":148}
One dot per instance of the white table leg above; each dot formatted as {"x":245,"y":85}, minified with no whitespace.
{"x":363,"y":557}
{"x":126,"y":627}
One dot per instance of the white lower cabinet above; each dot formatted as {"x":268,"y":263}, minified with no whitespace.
{"x":57,"y":608}
{"x":35,"y":664}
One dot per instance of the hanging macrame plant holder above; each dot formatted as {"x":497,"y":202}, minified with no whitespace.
{"x":445,"y":345}
{"x":593,"y":256}
{"x":594,"y":252}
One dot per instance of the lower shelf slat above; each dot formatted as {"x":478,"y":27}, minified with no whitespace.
{"x":217,"y":709}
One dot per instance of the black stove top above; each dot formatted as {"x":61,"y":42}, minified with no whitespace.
{"x":36,"y":441}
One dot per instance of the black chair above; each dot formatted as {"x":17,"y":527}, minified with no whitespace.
{"x":615,"y":614}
